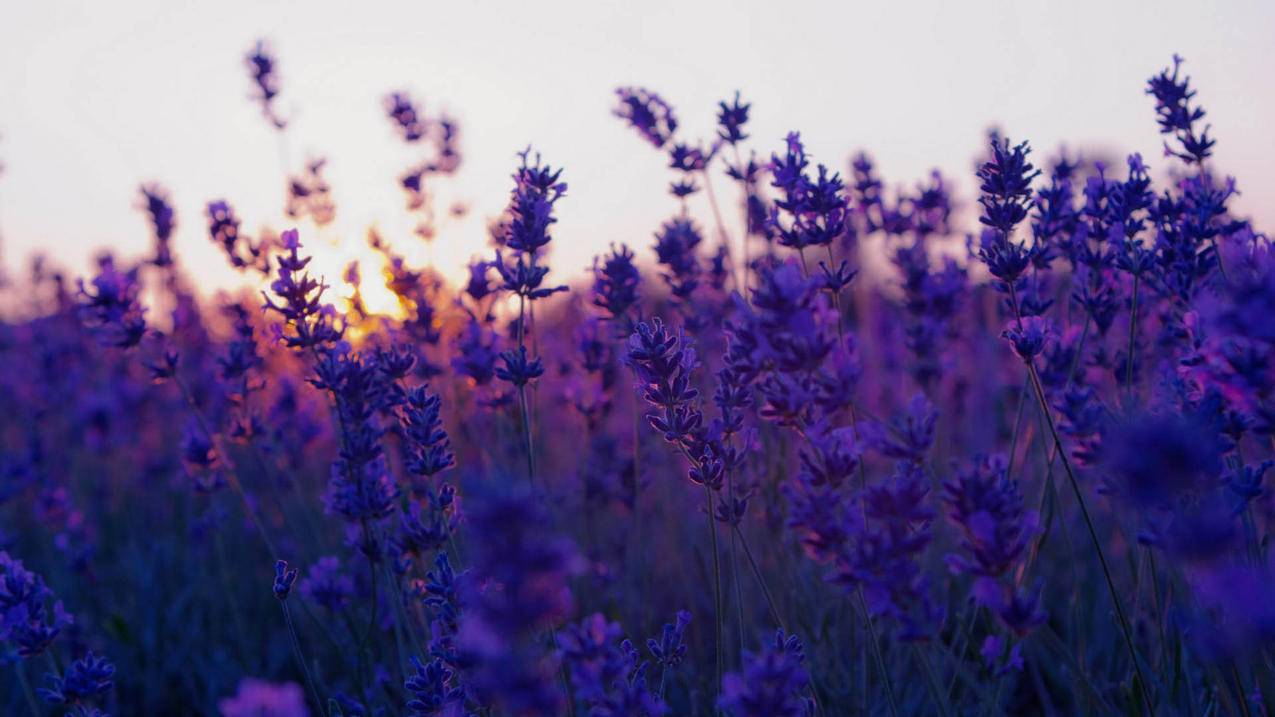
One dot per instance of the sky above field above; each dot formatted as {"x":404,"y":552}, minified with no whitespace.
{"x":97,"y":97}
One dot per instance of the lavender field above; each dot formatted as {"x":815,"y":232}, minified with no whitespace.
{"x":825,"y":443}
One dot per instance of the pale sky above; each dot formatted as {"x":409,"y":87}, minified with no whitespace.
{"x":97,"y":97}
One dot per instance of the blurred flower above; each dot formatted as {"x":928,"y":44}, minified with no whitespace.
{"x":85,"y":679}
{"x":519,"y":588}
{"x":261,"y":66}
{"x":113,"y":308}
{"x":258,"y":698}
{"x":647,"y":113}
{"x":1177,"y":116}
{"x":615,"y":282}
{"x":326,"y":584}
{"x":159,"y":209}
{"x":30,"y":617}
{"x":402,"y":111}
{"x":731,"y":119}
{"x":771,"y":684}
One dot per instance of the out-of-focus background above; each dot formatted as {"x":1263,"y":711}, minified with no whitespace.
{"x":96,"y":98}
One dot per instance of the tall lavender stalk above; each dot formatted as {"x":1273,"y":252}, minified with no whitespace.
{"x":1006,"y":186}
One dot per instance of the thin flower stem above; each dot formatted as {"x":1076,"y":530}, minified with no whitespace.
{"x":1052,"y":453}
{"x":876,"y":651}
{"x":1239,"y":690}
{"x":401,"y":609}
{"x":219,"y":558}
{"x":940,"y":698}
{"x":990,"y":707}
{"x":1133,"y":336}
{"x":1159,"y":606}
{"x":1018,"y":420}
{"x":20,"y":670}
{"x":717,"y":587}
{"x":761,"y":581}
{"x":522,"y":398}
{"x":1143,"y":695}
{"x":717,"y":573}
{"x":365,"y":642}
{"x":526,"y":435}
{"x":231,"y":475}
{"x":747,"y":234}
{"x":770,"y":604}
{"x":296,"y":651}
{"x":523,"y":315}
{"x":1080,"y":350}
{"x":562,"y":674}
{"x":739,"y":593}
{"x":722,"y":235}
{"x":1078,"y":669}
{"x":1221,"y":264}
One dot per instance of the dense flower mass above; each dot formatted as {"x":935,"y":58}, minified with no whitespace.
{"x":813,"y":447}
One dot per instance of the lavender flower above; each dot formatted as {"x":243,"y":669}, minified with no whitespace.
{"x":1178,"y":116}
{"x":283,"y":579}
{"x":299,"y":300}
{"x":86,"y":679}
{"x":112,"y":308}
{"x":476,"y":353}
{"x":615,"y":282}
{"x":670,"y":649}
{"x":434,"y":690}
{"x":403,"y":113}
{"x":988,"y":508}
{"x":663,"y":363}
{"x":310,"y":195}
{"x":159,"y":209}
{"x":810,"y":212}
{"x":1029,"y":336}
{"x":30,"y":617}
{"x":883,"y":558}
{"x":675,"y":245}
{"x":647,"y":113}
{"x":731,"y":119}
{"x":223,"y":229}
{"x":261,"y":66}
{"x":1005,"y":183}
{"x":429,"y":446}
{"x":519,"y":370}
{"x":327,"y":585}
{"x":771,"y":683}
{"x":520,"y":588}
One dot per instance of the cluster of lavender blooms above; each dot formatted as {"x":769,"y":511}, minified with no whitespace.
{"x":740,"y":468}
